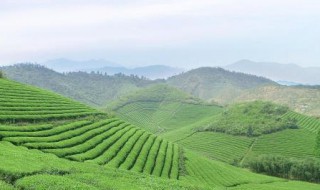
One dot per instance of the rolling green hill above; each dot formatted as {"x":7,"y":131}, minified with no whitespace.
{"x":161,"y":108}
{"x":209,"y":84}
{"x":225,"y":88}
{"x":107,"y":153}
{"x":155,"y":93}
{"x":216,"y":83}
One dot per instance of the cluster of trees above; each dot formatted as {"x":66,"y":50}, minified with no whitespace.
{"x":252,"y":119}
{"x":1,"y":74}
{"x":304,"y":169}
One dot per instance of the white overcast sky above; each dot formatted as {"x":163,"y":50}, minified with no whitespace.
{"x":183,"y":33}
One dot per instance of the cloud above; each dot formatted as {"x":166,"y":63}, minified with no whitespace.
{"x":42,"y":29}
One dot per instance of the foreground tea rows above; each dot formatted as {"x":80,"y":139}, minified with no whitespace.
{"x":109,"y":142}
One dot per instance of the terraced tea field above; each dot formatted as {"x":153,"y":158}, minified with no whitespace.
{"x":21,"y":103}
{"x":161,"y":117}
{"x":109,"y":142}
{"x":22,"y":168}
{"x":213,"y":173}
{"x":293,"y":143}
{"x":223,"y":147}
{"x":61,"y":149}
{"x":307,"y":122}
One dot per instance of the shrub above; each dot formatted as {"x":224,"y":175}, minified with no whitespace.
{"x":304,"y":169}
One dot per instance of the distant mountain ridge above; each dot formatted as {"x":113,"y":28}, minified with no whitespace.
{"x":151,"y":72}
{"x":89,"y":88}
{"x":99,"y":89}
{"x":278,"y":72}
{"x":209,"y":84}
{"x":111,"y":68}
{"x":216,"y":84}
{"x":67,"y":65}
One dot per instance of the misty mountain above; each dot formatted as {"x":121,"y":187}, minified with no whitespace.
{"x":216,"y":84}
{"x":67,"y":65}
{"x":151,"y":72}
{"x":89,"y":88}
{"x":99,"y":89}
{"x":278,"y":72}
{"x":111,"y":68}
{"x":211,"y":84}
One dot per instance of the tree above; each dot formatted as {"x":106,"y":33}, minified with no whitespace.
{"x":250,"y":131}
{"x":1,"y":74}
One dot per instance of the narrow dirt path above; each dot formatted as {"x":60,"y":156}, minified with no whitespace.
{"x":248,"y":151}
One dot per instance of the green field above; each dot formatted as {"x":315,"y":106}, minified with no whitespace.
{"x":96,"y":151}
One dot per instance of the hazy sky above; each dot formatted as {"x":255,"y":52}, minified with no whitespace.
{"x":183,"y":33}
